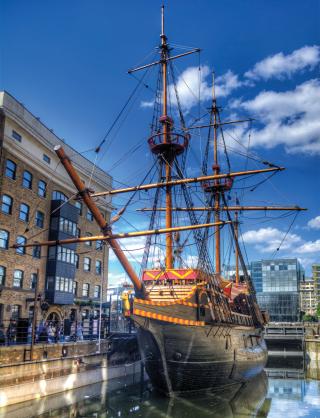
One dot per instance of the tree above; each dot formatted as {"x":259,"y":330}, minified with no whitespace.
{"x":318,"y":310}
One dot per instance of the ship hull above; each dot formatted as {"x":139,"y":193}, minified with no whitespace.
{"x":180,"y":359}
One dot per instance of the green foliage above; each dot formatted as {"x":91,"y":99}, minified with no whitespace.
{"x":309,"y":318}
{"x":318,"y":310}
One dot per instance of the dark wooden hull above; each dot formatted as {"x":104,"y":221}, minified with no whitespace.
{"x":181,"y":358}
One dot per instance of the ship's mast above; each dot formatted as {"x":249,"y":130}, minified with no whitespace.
{"x":166,"y":139}
{"x":236,"y":230}
{"x":216,"y":170}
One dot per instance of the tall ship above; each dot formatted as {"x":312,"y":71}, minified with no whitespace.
{"x":196,"y":328}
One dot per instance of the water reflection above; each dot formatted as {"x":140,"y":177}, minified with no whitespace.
{"x":280,"y":391}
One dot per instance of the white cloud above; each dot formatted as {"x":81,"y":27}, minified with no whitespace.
{"x":280,"y":65}
{"x":314,"y":223}
{"x":226,"y":83}
{"x":269,"y":239}
{"x":309,"y":247}
{"x":193,"y":83}
{"x":290,"y":118}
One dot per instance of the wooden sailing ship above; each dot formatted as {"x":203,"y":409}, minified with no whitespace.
{"x":195,"y":329}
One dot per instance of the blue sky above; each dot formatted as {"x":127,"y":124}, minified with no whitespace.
{"x":67,"y":62}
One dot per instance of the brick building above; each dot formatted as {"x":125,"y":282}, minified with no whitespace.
{"x":34,"y":202}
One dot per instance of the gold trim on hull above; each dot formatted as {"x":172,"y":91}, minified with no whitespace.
{"x":166,"y":318}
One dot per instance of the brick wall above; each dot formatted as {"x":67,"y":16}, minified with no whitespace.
{"x":12,"y":261}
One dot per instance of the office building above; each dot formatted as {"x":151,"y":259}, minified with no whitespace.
{"x":316,"y":280}
{"x":277,"y":283}
{"x":308,"y":297}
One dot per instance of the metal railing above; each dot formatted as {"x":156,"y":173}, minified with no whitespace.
{"x":20,"y":331}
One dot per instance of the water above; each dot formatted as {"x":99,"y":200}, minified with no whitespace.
{"x":281,"y":391}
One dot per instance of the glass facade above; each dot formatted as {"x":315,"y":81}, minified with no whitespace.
{"x":277,"y":284}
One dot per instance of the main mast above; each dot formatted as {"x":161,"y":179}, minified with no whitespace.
{"x":165,"y":120}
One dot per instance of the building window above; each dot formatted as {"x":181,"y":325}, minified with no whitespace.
{"x":85,"y":289}
{"x":67,"y":226}
{"x":46,"y":158}
{"x":87,"y":264}
{"x":27,"y":180}
{"x":88,"y":243}
{"x":33,"y":280}
{"x":97,"y":291}
{"x":24,"y":212}
{"x":64,"y":284}
{"x":15,"y":311}
{"x":89,"y":215}
{"x":16,"y":136}
{"x":36,"y":251}
{"x":75,"y":288}
{"x":66,"y":255}
{"x":4,"y":239}
{"x":3,"y":271}
{"x":11,"y":169}
{"x":57,"y":195}
{"x":39,"y":219}
{"x":76,"y":257}
{"x":21,"y":240}
{"x":78,"y":233}
{"x":99,"y":245}
{"x":79,"y":206}
{"x":18,"y":278}
{"x":6,"y":204}
{"x":98,"y":267}
{"x":42,"y":188}
{"x":85,"y":314}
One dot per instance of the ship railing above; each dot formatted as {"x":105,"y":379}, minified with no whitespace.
{"x":242,"y":319}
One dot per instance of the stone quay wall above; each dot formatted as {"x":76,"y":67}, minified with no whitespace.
{"x":59,"y":367}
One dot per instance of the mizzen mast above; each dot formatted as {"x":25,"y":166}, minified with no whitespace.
{"x":216,"y":170}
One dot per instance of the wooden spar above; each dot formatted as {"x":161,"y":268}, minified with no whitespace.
{"x":216,"y":171}
{"x":219,"y":124}
{"x":236,"y":233}
{"x":186,"y":181}
{"x":224,"y":208}
{"x":84,"y":193}
{"x":143,"y":67}
{"x":111,"y":237}
{"x":166,"y":139}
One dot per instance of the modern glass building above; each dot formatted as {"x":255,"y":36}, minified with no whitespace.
{"x":277,"y":284}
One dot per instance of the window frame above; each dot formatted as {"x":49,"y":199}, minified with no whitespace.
{"x":89,"y":215}
{"x":85,"y":289}
{"x":95,"y":293}
{"x":42,"y":191}
{"x":3,"y":275}
{"x":18,"y":278}
{"x":10,"y":169}
{"x":23,"y":241}
{"x":58,"y":195}
{"x":6,"y":240}
{"x":27,"y":213}
{"x":27,"y":182}
{"x":33,"y":283}
{"x":37,"y":219}
{"x":16,"y":136}
{"x":86,"y":262}
{"x":46,"y":158}
{"x":79,"y":206}
{"x":36,"y":252}
{"x":9,"y":212}
{"x":98,"y":267}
